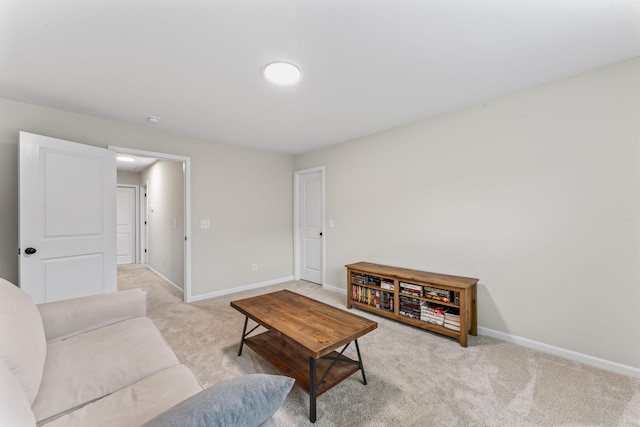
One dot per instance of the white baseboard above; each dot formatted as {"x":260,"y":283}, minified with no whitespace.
{"x":165,"y":279}
{"x":562,"y":352}
{"x":201,"y":297}
{"x":331,"y":288}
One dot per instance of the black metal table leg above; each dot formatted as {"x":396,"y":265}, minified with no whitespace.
{"x":244,"y":334}
{"x":313,"y":389}
{"x":364,"y":378}
{"x":314,"y":383}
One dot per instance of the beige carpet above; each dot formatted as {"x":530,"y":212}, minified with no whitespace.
{"x":415,"y":378}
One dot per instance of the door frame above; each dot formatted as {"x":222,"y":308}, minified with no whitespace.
{"x":296,"y":221}
{"x":143,"y":209}
{"x":136,"y":219}
{"x":186,"y":165}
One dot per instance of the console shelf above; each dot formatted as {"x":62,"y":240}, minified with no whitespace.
{"x":440,"y":303}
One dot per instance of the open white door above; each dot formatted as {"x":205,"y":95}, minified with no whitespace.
{"x":67,"y":229}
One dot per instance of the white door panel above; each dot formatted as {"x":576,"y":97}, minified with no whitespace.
{"x":123,"y":248}
{"x":67,"y":214}
{"x":311,"y":226}
{"x":73,"y":194}
{"x":123,"y":211}
{"x":73,"y":276}
{"x":312,"y":254}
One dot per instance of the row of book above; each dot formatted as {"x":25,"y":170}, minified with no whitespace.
{"x":423,"y":310}
{"x":439,"y":315}
{"x":429,"y":312}
{"x":409,"y":307}
{"x":411,"y":289}
{"x":432,"y":313}
{"x":452,"y":321}
{"x":373,"y":297}
{"x":366,"y":279}
{"x":438,"y":294}
{"x":387,"y":284}
{"x":429,"y":292}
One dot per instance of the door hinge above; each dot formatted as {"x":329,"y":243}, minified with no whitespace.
{"x":185,"y":238}
{"x":145,"y":251}
{"x":18,"y":251}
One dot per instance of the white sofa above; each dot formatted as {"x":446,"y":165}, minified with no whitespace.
{"x":98,"y":361}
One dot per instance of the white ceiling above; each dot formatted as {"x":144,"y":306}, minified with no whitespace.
{"x":139,"y":163}
{"x":367,"y":65}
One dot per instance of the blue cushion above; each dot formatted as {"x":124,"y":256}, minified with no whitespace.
{"x":241,"y":402}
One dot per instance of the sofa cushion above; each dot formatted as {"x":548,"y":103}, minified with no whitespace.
{"x":136,"y":404}
{"x":24,"y":346}
{"x":65,"y":318}
{"x":247,"y":401}
{"x":88,"y":366}
{"x":15,"y":409}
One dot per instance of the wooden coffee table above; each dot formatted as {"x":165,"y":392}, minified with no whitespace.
{"x":301,"y":338}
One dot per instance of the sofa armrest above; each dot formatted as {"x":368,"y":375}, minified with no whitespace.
{"x":62,"y":319}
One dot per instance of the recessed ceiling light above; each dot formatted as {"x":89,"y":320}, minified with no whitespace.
{"x":282,"y":73}
{"x":125,"y":159}
{"x":153,"y":119}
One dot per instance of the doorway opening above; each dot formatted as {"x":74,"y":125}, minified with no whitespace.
{"x":163,"y":233}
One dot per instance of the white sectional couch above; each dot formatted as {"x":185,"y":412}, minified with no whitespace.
{"x":98,"y":361}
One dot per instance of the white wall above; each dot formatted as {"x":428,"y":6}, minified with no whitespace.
{"x":245,"y":193}
{"x":537,"y":194}
{"x":165,"y":219}
{"x":128,"y":177}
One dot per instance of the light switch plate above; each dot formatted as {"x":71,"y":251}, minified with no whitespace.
{"x":205,"y":223}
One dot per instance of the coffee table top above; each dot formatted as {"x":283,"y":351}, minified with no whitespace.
{"x":315,"y":327}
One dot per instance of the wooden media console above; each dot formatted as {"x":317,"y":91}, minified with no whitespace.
{"x":439,"y":303}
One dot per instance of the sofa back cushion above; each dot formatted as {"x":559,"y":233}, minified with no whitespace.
{"x":15,"y":409}
{"x":24,"y":347}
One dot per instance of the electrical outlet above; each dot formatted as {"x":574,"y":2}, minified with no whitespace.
{"x":254,"y":267}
